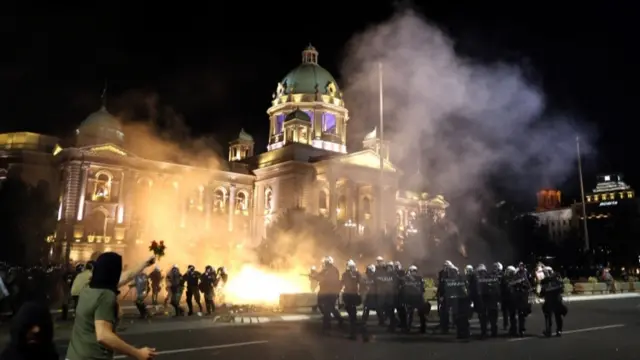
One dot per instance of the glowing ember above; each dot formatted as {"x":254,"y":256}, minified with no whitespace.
{"x":253,"y":286}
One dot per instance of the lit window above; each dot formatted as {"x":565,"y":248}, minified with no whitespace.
{"x":279,"y":121}
{"x":329,"y":123}
{"x":102,"y":191}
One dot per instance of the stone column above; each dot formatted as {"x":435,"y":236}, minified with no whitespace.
{"x":84,"y":178}
{"x":120,"y":212}
{"x":232,"y":205}
{"x":207,"y":203}
{"x":333,"y":199}
{"x":375,"y":204}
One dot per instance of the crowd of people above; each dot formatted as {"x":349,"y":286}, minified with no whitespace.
{"x":385,"y":287}
{"x":91,"y":290}
{"x":396,"y":295}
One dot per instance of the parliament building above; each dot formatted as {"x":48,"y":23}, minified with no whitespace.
{"x":98,"y":182}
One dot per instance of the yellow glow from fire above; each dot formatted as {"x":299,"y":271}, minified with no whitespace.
{"x":251,"y":285}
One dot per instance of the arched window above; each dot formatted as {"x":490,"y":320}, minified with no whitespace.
{"x":102,"y":189}
{"x":322,"y":200}
{"x":366,"y":205}
{"x":241,"y":201}
{"x":219,"y":200}
{"x":342,"y":207}
{"x":268,"y":200}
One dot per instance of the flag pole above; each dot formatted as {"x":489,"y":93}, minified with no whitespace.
{"x":380,"y":149}
{"x":584,"y":206}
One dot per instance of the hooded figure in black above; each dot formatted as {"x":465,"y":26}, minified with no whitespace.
{"x":106,"y":272}
{"x":31,"y":335}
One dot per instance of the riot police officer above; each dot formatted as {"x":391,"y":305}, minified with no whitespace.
{"x":369,"y":298}
{"x":444,"y":304}
{"x":207,"y":286}
{"x":400,"y":306}
{"x":456,"y":293}
{"x":351,"y":280}
{"x":486,"y":301}
{"x":176,"y":287}
{"x":519,"y":289}
{"x":386,"y":285}
{"x":412,"y":294}
{"x":192,"y":277}
{"x":328,"y":292}
{"x":551,"y":289}
{"x":141,"y":282}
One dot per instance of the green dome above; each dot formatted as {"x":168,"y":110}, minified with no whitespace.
{"x":309,"y":77}
{"x":102,"y":127}
{"x":245,"y":135}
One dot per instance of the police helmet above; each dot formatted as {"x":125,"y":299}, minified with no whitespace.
{"x":351,"y":265}
{"x":510,"y":269}
{"x":208,"y":268}
{"x":413,"y":269}
{"x":371,"y":268}
{"x":481,"y":267}
{"x":468,"y":269}
{"x":397,"y":265}
{"x":390,"y":265}
{"x":380,"y":260}
{"x":448,"y":264}
{"x":497,"y":266}
{"x":313,"y":268}
{"x":328,"y":260}
{"x":191,"y":268}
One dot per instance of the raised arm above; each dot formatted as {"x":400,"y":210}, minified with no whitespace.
{"x":128,"y":276}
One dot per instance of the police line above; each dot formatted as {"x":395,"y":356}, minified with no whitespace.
{"x":308,"y":300}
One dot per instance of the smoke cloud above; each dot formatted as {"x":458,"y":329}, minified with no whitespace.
{"x":464,"y":122}
{"x":176,"y":201}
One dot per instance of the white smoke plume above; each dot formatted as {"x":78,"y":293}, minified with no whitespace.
{"x":468,"y":121}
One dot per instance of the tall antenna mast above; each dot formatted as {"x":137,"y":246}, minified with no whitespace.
{"x":103,"y":96}
{"x":380,"y":149}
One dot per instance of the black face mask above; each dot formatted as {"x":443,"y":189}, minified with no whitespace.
{"x":107,"y":271}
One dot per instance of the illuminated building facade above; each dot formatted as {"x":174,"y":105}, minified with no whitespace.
{"x":612,"y":214}
{"x":550,"y":213}
{"x":306,"y":166}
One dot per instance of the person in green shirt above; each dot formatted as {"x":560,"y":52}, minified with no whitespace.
{"x":93,"y":335}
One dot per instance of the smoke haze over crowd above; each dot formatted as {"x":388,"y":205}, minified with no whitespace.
{"x":463,"y":121}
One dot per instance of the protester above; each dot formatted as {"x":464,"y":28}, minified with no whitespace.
{"x":31,"y":335}
{"x":80,"y":282}
{"x":93,"y":336}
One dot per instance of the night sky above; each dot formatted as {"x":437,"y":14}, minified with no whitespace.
{"x":218,"y":66}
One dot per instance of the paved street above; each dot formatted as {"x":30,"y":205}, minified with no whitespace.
{"x":605,"y":329}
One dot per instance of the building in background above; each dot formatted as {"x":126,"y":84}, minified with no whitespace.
{"x":107,"y":194}
{"x":613,"y":221}
{"x":559,"y":220}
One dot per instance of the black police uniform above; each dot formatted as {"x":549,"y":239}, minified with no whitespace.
{"x":486,"y":301}
{"x":551,"y":289}
{"x":412,"y":294}
{"x":351,"y":280}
